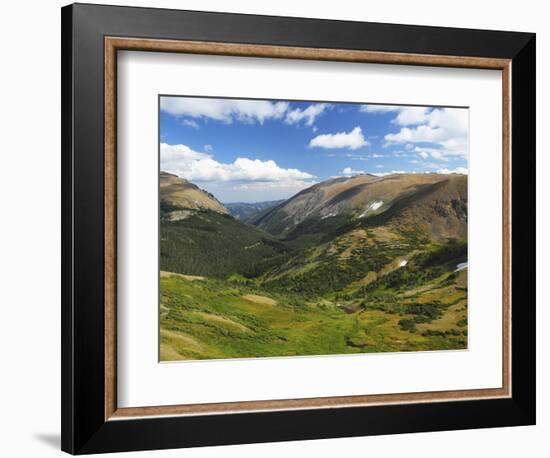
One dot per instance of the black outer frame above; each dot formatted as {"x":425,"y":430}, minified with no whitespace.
{"x":84,"y":429}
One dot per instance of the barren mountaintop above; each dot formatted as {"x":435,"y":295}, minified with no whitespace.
{"x":181,"y":193}
{"x":435,"y":203}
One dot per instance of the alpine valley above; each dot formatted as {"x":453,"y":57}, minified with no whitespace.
{"x":349,"y":265}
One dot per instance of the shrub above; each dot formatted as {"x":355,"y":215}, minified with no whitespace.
{"x":407,"y":325}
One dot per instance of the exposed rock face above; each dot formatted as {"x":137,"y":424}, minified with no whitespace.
{"x":178,"y":215}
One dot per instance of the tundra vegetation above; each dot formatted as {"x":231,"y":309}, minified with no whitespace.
{"x":351,"y":265}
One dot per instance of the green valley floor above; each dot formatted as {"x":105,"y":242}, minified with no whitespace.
{"x":205,"y":318}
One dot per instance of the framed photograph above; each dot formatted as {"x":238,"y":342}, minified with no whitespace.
{"x":281,"y":228}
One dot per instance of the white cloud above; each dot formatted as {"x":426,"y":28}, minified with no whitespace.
{"x":461,"y":170}
{"x":436,"y":153}
{"x":441,"y":154}
{"x":190,"y":123}
{"x":198,"y":166}
{"x":446,"y":128}
{"x":308,"y":115}
{"x":208,"y":147}
{"x":420,"y":134}
{"x":364,"y":157}
{"x":458,"y":170}
{"x":349,"y":171}
{"x":225,"y":110}
{"x":174,"y":156}
{"x":289,"y":185}
{"x":424,"y":154}
{"x":411,"y":116}
{"x":378,"y":108}
{"x":405,"y":115}
{"x":352,"y":140}
{"x":383,"y":174}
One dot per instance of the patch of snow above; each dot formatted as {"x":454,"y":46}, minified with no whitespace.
{"x":328,"y":215}
{"x":372,"y":207}
{"x":376,"y":205}
{"x":403,"y":263}
{"x":461,"y":266}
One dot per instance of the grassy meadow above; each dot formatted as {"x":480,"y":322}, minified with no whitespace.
{"x":422,"y":306}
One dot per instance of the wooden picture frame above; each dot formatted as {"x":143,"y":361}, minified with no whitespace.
{"x":91,"y":37}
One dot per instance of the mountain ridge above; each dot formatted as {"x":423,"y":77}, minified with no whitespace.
{"x":367,"y":264}
{"x":183,"y":194}
{"x":365,"y":197}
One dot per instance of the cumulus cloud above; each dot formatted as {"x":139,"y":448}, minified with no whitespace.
{"x":459,"y":170}
{"x":405,"y":115}
{"x":411,"y":116}
{"x":308,"y":115}
{"x":225,"y":110}
{"x":190,"y":123}
{"x":208,"y":147}
{"x":378,"y":108}
{"x":383,"y":174}
{"x":202,"y":167}
{"x":351,"y":140}
{"x":349,"y":171}
{"x":446,"y":129}
{"x":436,"y":153}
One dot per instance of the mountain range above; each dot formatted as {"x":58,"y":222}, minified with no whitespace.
{"x":377,"y":246}
{"x":403,"y":200}
{"x":245,"y":211}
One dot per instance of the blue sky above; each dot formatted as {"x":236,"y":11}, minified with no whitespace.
{"x":256,"y":150}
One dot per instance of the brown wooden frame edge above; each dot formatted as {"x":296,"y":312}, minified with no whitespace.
{"x":112,"y":45}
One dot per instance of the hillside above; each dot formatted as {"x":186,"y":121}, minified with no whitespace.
{"x":349,"y":265}
{"x":439,"y":210}
{"x":339,"y":202}
{"x":205,"y":242}
{"x":180,"y":193}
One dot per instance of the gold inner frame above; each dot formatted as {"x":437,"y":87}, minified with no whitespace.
{"x":114,"y":44}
